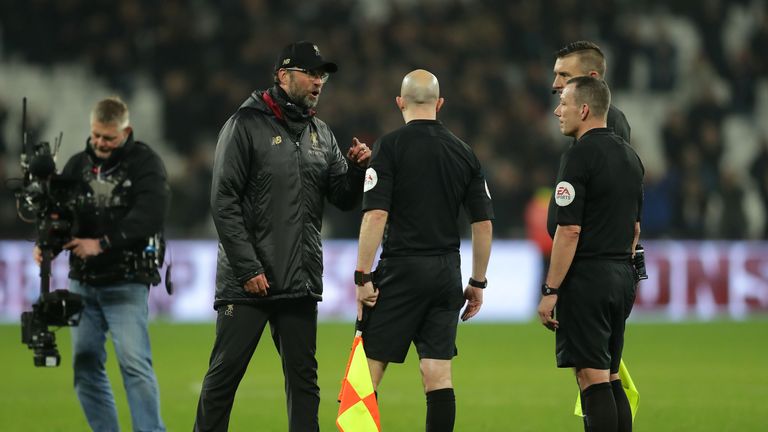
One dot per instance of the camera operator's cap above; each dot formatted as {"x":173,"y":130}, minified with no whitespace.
{"x":304,"y":55}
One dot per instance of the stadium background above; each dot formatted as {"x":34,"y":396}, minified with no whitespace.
{"x":691,"y":77}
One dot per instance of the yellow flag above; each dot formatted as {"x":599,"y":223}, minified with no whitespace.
{"x":358,"y":409}
{"x":629,"y":389}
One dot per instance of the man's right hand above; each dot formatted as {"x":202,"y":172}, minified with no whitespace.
{"x":367,"y":294}
{"x":37,"y":254}
{"x":257,"y":285}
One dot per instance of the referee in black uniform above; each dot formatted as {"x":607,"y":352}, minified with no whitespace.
{"x":595,"y":225}
{"x":420,"y":176}
{"x":585,"y":58}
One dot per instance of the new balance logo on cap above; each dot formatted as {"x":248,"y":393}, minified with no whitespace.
{"x":304,"y":55}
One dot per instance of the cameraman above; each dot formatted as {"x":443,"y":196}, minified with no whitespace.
{"x":121,"y":205}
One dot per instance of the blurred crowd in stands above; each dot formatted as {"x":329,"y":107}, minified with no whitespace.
{"x":494,"y":61}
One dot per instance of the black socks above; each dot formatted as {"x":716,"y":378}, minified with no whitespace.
{"x":623,"y":411}
{"x":599,"y":408}
{"x":441,"y":410}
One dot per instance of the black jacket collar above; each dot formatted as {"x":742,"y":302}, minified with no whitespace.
{"x":114,"y":159}
{"x":594,"y":131}
{"x":275,"y":102}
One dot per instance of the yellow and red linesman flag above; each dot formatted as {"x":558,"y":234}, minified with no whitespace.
{"x":359,"y":411}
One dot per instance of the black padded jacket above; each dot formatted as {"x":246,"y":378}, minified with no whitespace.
{"x":267,"y":198}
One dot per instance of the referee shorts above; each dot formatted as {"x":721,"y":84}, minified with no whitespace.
{"x":419,"y":301}
{"x":595,"y":300}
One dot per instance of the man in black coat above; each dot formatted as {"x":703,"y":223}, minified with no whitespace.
{"x":275,"y":165}
{"x":115,"y":254}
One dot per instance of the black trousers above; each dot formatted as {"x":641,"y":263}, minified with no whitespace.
{"x":238,"y":330}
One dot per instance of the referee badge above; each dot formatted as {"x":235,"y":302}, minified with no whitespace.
{"x":564,"y":194}
{"x":371,"y":178}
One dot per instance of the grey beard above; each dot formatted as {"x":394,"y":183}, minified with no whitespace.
{"x":306,"y":102}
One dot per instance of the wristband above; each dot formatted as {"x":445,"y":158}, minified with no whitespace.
{"x":362,"y":278}
{"x":478,"y":284}
{"x":547,"y":290}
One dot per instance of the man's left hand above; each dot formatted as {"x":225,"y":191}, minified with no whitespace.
{"x":546,"y":309}
{"x":474,"y":297}
{"x":84,"y":247}
{"x":359,"y":153}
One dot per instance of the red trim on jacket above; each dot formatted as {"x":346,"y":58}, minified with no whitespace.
{"x":267,"y":98}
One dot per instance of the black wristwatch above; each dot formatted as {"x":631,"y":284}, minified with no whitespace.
{"x":362,"y":278}
{"x":104,"y":243}
{"x":547,"y":290}
{"x":477,"y":283}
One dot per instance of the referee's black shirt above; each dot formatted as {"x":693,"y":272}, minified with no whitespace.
{"x":599,"y":187}
{"x":422,"y":174}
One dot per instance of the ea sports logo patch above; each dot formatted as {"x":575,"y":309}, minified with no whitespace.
{"x":564,"y":194}
{"x":371,"y":178}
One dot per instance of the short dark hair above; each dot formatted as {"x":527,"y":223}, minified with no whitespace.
{"x":593,"y":92}
{"x":591,"y":57}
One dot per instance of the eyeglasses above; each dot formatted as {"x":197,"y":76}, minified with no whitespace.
{"x":312,"y":74}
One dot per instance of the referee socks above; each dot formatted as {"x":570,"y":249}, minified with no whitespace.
{"x":599,"y":408}
{"x":441,"y":410}
{"x":623,"y":411}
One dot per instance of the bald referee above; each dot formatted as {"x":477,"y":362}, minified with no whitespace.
{"x":591,"y":279}
{"x":419,"y":178}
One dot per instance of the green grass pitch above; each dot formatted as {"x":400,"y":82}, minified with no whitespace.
{"x":691,"y":377}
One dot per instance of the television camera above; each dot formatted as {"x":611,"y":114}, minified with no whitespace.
{"x":47,"y":200}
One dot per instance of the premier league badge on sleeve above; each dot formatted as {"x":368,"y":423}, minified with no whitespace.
{"x":371,"y":178}
{"x":564,"y":194}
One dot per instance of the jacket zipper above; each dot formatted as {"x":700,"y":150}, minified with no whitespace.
{"x":301,"y":208}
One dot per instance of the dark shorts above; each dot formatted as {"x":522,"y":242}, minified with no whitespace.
{"x":419,"y":301}
{"x":594,"y":302}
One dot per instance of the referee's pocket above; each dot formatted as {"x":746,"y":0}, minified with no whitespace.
{"x":630,"y":301}
{"x":377,"y":275}
{"x":458,"y":294}
{"x":375,"y":278}
{"x":631,"y":293}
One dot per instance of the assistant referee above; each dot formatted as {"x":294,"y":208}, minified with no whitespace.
{"x":591,"y":278}
{"x":419,"y":178}
{"x":585,"y":58}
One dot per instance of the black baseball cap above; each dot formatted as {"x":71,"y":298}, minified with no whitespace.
{"x":304,"y":55}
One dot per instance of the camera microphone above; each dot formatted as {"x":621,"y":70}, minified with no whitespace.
{"x":42,"y":166}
